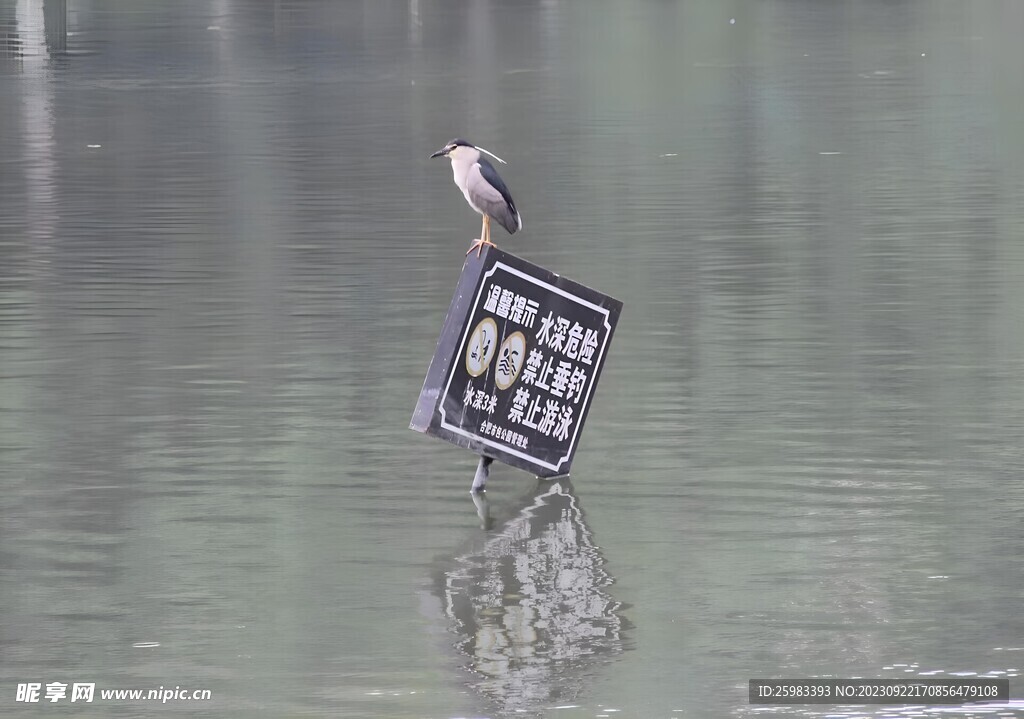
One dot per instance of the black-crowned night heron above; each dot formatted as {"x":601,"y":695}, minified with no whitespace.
{"x":484,"y":189}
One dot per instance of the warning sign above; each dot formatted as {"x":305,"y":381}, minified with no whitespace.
{"x":481,"y":346}
{"x":517,"y":364}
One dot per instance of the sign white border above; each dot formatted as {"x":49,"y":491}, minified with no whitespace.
{"x":462,"y":343}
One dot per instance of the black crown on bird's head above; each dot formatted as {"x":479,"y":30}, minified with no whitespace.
{"x":451,"y":147}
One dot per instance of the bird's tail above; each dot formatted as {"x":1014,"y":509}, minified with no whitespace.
{"x":510,"y":219}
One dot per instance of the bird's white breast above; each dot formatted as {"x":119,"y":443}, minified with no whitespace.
{"x":461,"y":167}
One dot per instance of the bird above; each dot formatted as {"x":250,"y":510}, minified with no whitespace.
{"x":483,"y":188}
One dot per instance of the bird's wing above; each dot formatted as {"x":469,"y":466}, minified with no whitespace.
{"x":492,"y":195}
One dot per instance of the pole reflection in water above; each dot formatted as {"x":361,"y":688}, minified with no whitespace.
{"x":529,"y":607}
{"x":55,"y":23}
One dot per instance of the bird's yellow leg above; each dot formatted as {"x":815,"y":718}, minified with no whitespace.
{"x":483,"y":233}
{"x":485,"y":238}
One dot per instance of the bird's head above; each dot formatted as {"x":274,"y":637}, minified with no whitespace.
{"x":454,"y":148}
{"x":459,"y":149}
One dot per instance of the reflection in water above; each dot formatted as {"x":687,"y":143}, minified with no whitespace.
{"x":530,"y":608}
{"x":30,"y":31}
{"x":55,"y":20}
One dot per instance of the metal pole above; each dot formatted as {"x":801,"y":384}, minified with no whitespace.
{"x":483,"y":471}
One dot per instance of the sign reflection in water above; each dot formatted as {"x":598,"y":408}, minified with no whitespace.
{"x":530,"y":608}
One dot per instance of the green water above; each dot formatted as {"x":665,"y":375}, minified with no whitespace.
{"x":225,"y":259}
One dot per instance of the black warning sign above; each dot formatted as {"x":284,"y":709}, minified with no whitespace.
{"x":517,"y":364}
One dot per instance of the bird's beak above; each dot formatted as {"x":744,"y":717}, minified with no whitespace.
{"x":440,"y":153}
